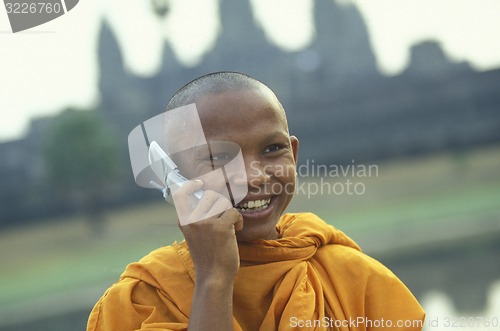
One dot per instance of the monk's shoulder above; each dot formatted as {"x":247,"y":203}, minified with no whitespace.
{"x":348,"y":260}
{"x":162,"y":266}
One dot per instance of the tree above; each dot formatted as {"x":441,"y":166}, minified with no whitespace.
{"x":160,"y":7}
{"x":82,"y":162}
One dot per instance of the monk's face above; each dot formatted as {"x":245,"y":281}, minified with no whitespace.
{"x":254,"y":120}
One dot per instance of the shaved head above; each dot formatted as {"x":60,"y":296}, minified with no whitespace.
{"x":215,"y":83}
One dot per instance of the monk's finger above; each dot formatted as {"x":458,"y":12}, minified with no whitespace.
{"x":185,"y":200}
{"x":203,"y":208}
{"x":233,"y":216}
{"x":187,"y":189}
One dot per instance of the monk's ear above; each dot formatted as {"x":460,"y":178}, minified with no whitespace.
{"x":295,"y":147}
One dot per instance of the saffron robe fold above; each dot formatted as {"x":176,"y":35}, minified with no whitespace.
{"x":313,"y":278}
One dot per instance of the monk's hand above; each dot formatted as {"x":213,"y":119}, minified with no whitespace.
{"x":210,"y":232}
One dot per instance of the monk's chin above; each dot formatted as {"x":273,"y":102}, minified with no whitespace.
{"x":252,"y":233}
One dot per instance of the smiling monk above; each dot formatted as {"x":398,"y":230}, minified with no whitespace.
{"x":251,"y":266}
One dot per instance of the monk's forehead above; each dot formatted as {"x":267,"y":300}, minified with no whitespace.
{"x":219,"y":111}
{"x":183,"y":129}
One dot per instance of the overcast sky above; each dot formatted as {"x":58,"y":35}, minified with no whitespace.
{"x":52,"y":66}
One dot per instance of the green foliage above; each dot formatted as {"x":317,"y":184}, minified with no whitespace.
{"x":82,"y":163}
{"x":160,"y":7}
{"x":80,"y":153}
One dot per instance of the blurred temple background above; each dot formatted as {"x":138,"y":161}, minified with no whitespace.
{"x":430,"y":212}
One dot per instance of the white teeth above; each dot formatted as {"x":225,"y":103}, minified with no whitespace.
{"x":254,"y":205}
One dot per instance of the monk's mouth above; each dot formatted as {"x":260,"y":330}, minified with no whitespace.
{"x":250,"y":206}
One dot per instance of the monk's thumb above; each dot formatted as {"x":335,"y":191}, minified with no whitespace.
{"x":238,"y":226}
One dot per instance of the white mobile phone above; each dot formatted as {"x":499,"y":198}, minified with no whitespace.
{"x":167,"y":172}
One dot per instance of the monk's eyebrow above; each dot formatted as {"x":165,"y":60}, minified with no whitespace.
{"x":276,"y":136}
{"x":201,"y":151}
{"x":197,"y":152}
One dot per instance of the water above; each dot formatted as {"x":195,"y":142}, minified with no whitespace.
{"x":443,"y":316}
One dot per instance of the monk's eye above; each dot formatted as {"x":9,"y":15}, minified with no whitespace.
{"x":220,"y":157}
{"x":274,"y":148}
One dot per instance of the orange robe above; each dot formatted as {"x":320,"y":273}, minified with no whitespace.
{"x":313,"y":278}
